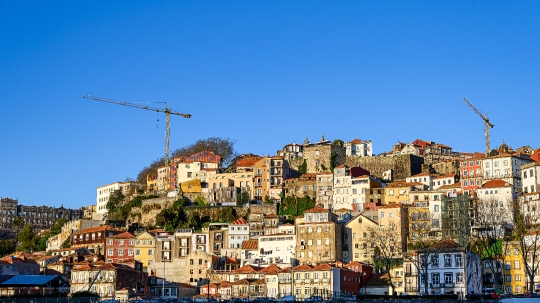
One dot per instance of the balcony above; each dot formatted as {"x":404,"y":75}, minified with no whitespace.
{"x":448,"y":285}
{"x":285,"y":280}
{"x":435,"y":285}
{"x":412,"y":289}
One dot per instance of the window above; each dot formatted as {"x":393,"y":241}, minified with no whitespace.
{"x":436,"y":208}
{"x":448,"y":278}
{"x":507,"y":265}
{"x":110,"y":252}
{"x":391,"y":192}
{"x":508,"y":278}
{"x":381,"y":214}
{"x":435,"y":278}
{"x":459,"y":260}
{"x":517,"y":277}
{"x":137,"y":252}
{"x":447,"y":260}
{"x":435,"y":261}
{"x":459,"y":277}
{"x":516,"y":265}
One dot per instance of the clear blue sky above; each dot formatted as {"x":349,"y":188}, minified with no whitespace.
{"x":265,"y":73}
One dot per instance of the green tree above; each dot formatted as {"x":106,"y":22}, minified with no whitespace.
{"x":294,"y":206}
{"x":28,"y":241}
{"x":267,"y":200}
{"x":242,"y":198}
{"x":200,"y":201}
{"x":302,"y":168}
{"x":333,"y":160}
{"x":116,"y":198}
{"x":338,"y":142}
{"x":7,"y":247}
{"x":66,"y":243}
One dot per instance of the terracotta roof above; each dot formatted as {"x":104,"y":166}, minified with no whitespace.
{"x":247,"y":269}
{"x":422,"y":174}
{"x":96,"y":229}
{"x":496,"y":183}
{"x":124,"y":235}
{"x":442,"y":145}
{"x":342,"y":166}
{"x":451,"y":186}
{"x":204,"y":156}
{"x":391,"y":206}
{"x":326,"y":172}
{"x":272,"y":269}
{"x":445,"y":244}
{"x":239,"y":221}
{"x":308,"y":176}
{"x":356,"y":141}
{"x":231,"y":260}
{"x":317,"y":209}
{"x":250,"y":244}
{"x":303,"y":267}
{"x":446,"y":176}
{"x":378,"y":280}
{"x":322,"y":266}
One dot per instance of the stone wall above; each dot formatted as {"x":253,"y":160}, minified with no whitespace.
{"x":403,"y":166}
{"x":318,"y":156}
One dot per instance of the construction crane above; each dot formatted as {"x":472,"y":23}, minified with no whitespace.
{"x":487,"y":124}
{"x":168,"y":112}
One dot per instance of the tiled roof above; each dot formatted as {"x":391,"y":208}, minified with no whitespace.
{"x":326,"y":172}
{"x":317,"y":209}
{"x":303,"y":267}
{"x":391,"y":206}
{"x":124,"y":235}
{"x":378,"y":280}
{"x":356,"y":141}
{"x":422,"y":175}
{"x":308,"y":176}
{"x":496,"y":183}
{"x":451,"y":186}
{"x":446,"y":176}
{"x":342,"y":166}
{"x":204,"y":156}
{"x":247,"y":269}
{"x":272,"y":269}
{"x":250,"y":244}
{"x":445,"y":244}
{"x":322,"y":266}
{"x":239,"y":221}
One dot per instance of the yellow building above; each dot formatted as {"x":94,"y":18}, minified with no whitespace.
{"x":145,"y":248}
{"x":514,"y":278}
{"x":398,"y":192}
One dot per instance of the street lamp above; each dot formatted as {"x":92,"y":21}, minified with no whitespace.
{"x":364,"y":277}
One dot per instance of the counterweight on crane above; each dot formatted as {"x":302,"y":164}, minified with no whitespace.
{"x":168,"y":112}
{"x":487,"y":124}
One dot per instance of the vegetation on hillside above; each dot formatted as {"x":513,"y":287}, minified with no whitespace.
{"x":295,"y":206}
{"x":120,"y":211}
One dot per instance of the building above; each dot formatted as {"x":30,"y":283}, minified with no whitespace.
{"x":237,"y":233}
{"x":108,"y":279}
{"x":200,"y":166}
{"x":103,"y":193}
{"x":269,"y":174}
{"x":453,"y":269}
{"x":291,"y":152}
{"x":471,"y":174}
{"x":325,"y":189}
{"x":305,"y":185}
{"x":446,"y":167}
{"x":506,"y":167}
{"x":515,"y":280}
{"x":530,"y":176}
{"x":502,"y":194}
{"x":262,"y":224}
{"x":39,"y":217}
{"x":18,"y":265}
{"x":218,"y":237}
{"x":360,"y":148}
{"x":278,"y":249}
{"x":120,"y":247}
{"x":199,"y":264}
{"x":318,"y":236}
{"x":318,"y":156}
{"x":55,"y":242}
{"x":395,"y":217}
{"x":145,"y":248}
{"x":424,"y":216}
{"x":343,"y":186}
{"x":227,"y":186}
{"x":398,"y":192}
{"x":366,"y":189}
{"x":94,"y":238}
{"x":354,"y":236}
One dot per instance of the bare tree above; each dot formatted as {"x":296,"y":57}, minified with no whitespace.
{"x":527,"y":234}
{"x":492,"y":220}
{"x":387,"y":246}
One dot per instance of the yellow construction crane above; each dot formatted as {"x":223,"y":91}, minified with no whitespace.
{"x":168,"y":112}
{"x":487,"y":124}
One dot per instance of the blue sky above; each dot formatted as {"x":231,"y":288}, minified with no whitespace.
{"x":265,"y":73}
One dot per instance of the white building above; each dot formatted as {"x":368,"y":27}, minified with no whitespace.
{"x":103,"y":193}
{"x":197,"y":166}
{"x":424,"y":178}
{"x":238,"y":233}
{"x":530,"y":177}
{"x":451,"y":269}
{"x":506,"y":167}
{"x":443,"y":180}
{"x":359,"y":148}
{"x":277,"y":249}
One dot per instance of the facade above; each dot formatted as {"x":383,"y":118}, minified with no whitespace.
{"x":318,"y":156}
{"x":120,"y":247}
{"x":237,"y":233}
{"x":269,"y":174}
{"x":343,"y":186}
{"x":325,"y":189}
{"x":354,"y":236}
{"x":506,"y":167}
{"x":103,"y":193}
{"x":278,"y":249}
{"x":360,"y":148}
{"x":305,"y":185}
{"x":94,"y":238}
{"x":424,"y":216}
{"x":218,"y":233}
{"x":197,"y":166}
{"x":145,"y":248}
{"x":262,"y":224}
{"x":447,"y":167}
{"x":454,"y":269}
{"x":318,"y":236}
{"x":109,"y":279}
{"x":398,"y":192}
{"x":40,"y":217}
{"x":18,"y":265}
{"x":291,"y":152}
{"x":226,"y":187}
{"x":56,"y":241}
{"x":472,"y":174}
{"x":366,"y":189}
{"x":530,"y":175}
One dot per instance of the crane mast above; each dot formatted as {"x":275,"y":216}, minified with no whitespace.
{"x":487,"y":124}
{"x":168,"y":112}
